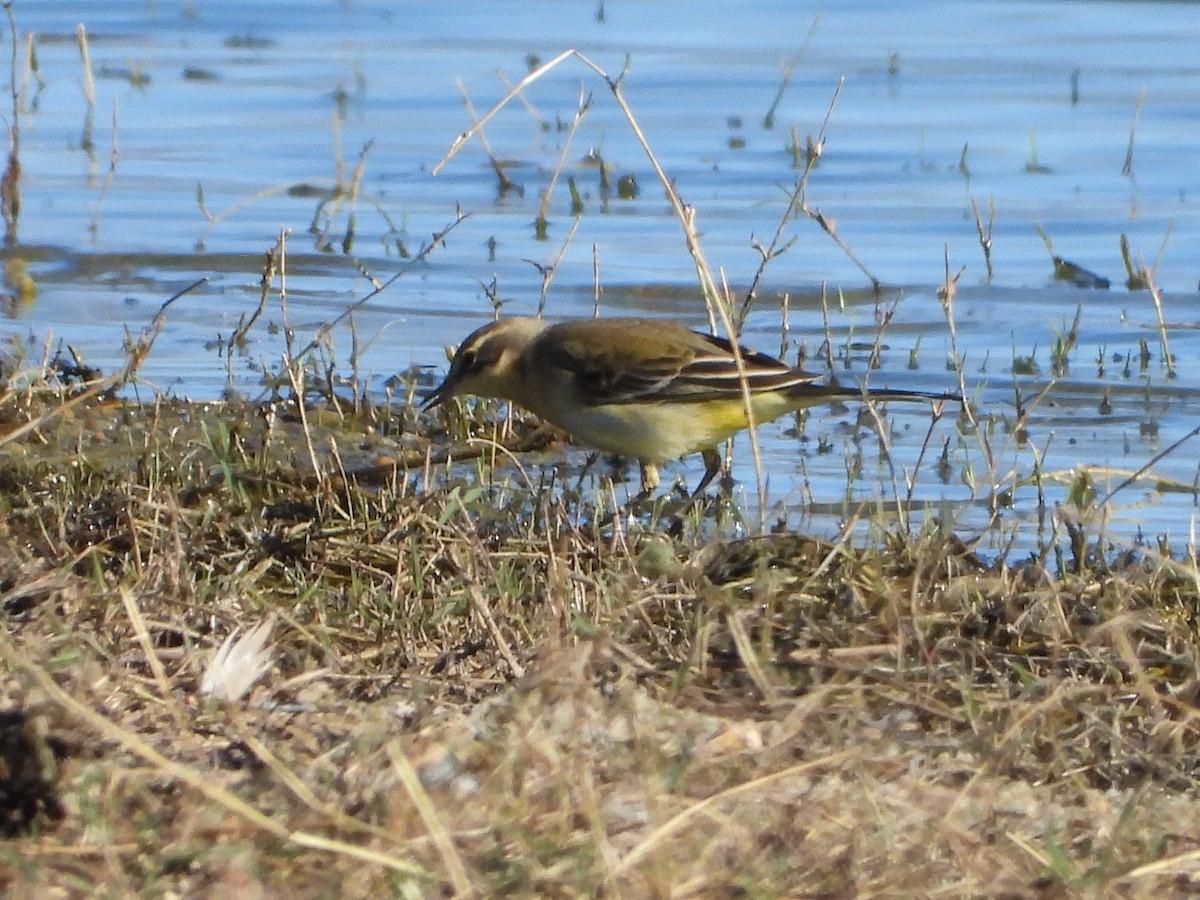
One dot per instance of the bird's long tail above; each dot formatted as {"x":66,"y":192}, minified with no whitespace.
{"x":818,"y":392}
{"x":900,"y":394}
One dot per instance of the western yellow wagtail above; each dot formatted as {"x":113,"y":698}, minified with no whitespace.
{"x":644,"y":388}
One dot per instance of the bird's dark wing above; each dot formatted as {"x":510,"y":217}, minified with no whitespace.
{"x":645,"y":360}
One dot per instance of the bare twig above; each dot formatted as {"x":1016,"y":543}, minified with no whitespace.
{"x":789,"y":69}
{"x":113,"y":159}
{"x":1127,"y":167}
{"x":326,"y":327}
{"x":796,"y":198}
{"x":548,"y":272}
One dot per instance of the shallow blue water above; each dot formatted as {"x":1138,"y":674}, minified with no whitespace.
{"x":246,"y":102}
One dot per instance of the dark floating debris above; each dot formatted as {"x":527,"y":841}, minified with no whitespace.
{"x":1065,"y":270}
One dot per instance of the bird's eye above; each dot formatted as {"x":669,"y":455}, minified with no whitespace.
{"x":467,"y":360}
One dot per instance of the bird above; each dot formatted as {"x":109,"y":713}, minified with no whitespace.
{"x":650,"y":389}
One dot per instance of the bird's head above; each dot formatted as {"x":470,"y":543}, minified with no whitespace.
{"x":487,"y":363}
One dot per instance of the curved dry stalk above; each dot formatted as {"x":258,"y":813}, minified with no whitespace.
{"x":716,"y":303}
{"x":456,"y":870}
{"x":202,"y":782}
{"x":1164,"y":344}
{"x":789,"y":70}
{"x":548,"y":272}
{"x":681,"y":819}
{"x":325,"y":328}
{"x":585,"y":105}
{"x":1154,"y":460}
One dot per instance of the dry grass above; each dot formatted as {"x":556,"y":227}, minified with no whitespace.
{"x":479,"y":691}
{"x":484,"y":684}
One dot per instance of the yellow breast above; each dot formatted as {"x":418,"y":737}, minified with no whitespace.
{"x":657,"y":432}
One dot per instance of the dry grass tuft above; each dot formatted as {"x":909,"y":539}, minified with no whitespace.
{"x":479,"y":689}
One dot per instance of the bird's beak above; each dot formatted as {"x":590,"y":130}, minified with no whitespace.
{"x":438,"y":395}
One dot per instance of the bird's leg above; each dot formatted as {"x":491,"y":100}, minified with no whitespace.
{"x":650,"y":480}
{"x":712,"y":463}
{"x":587,"y":465}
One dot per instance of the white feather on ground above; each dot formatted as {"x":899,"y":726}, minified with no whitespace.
{"x":239,"y":663}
